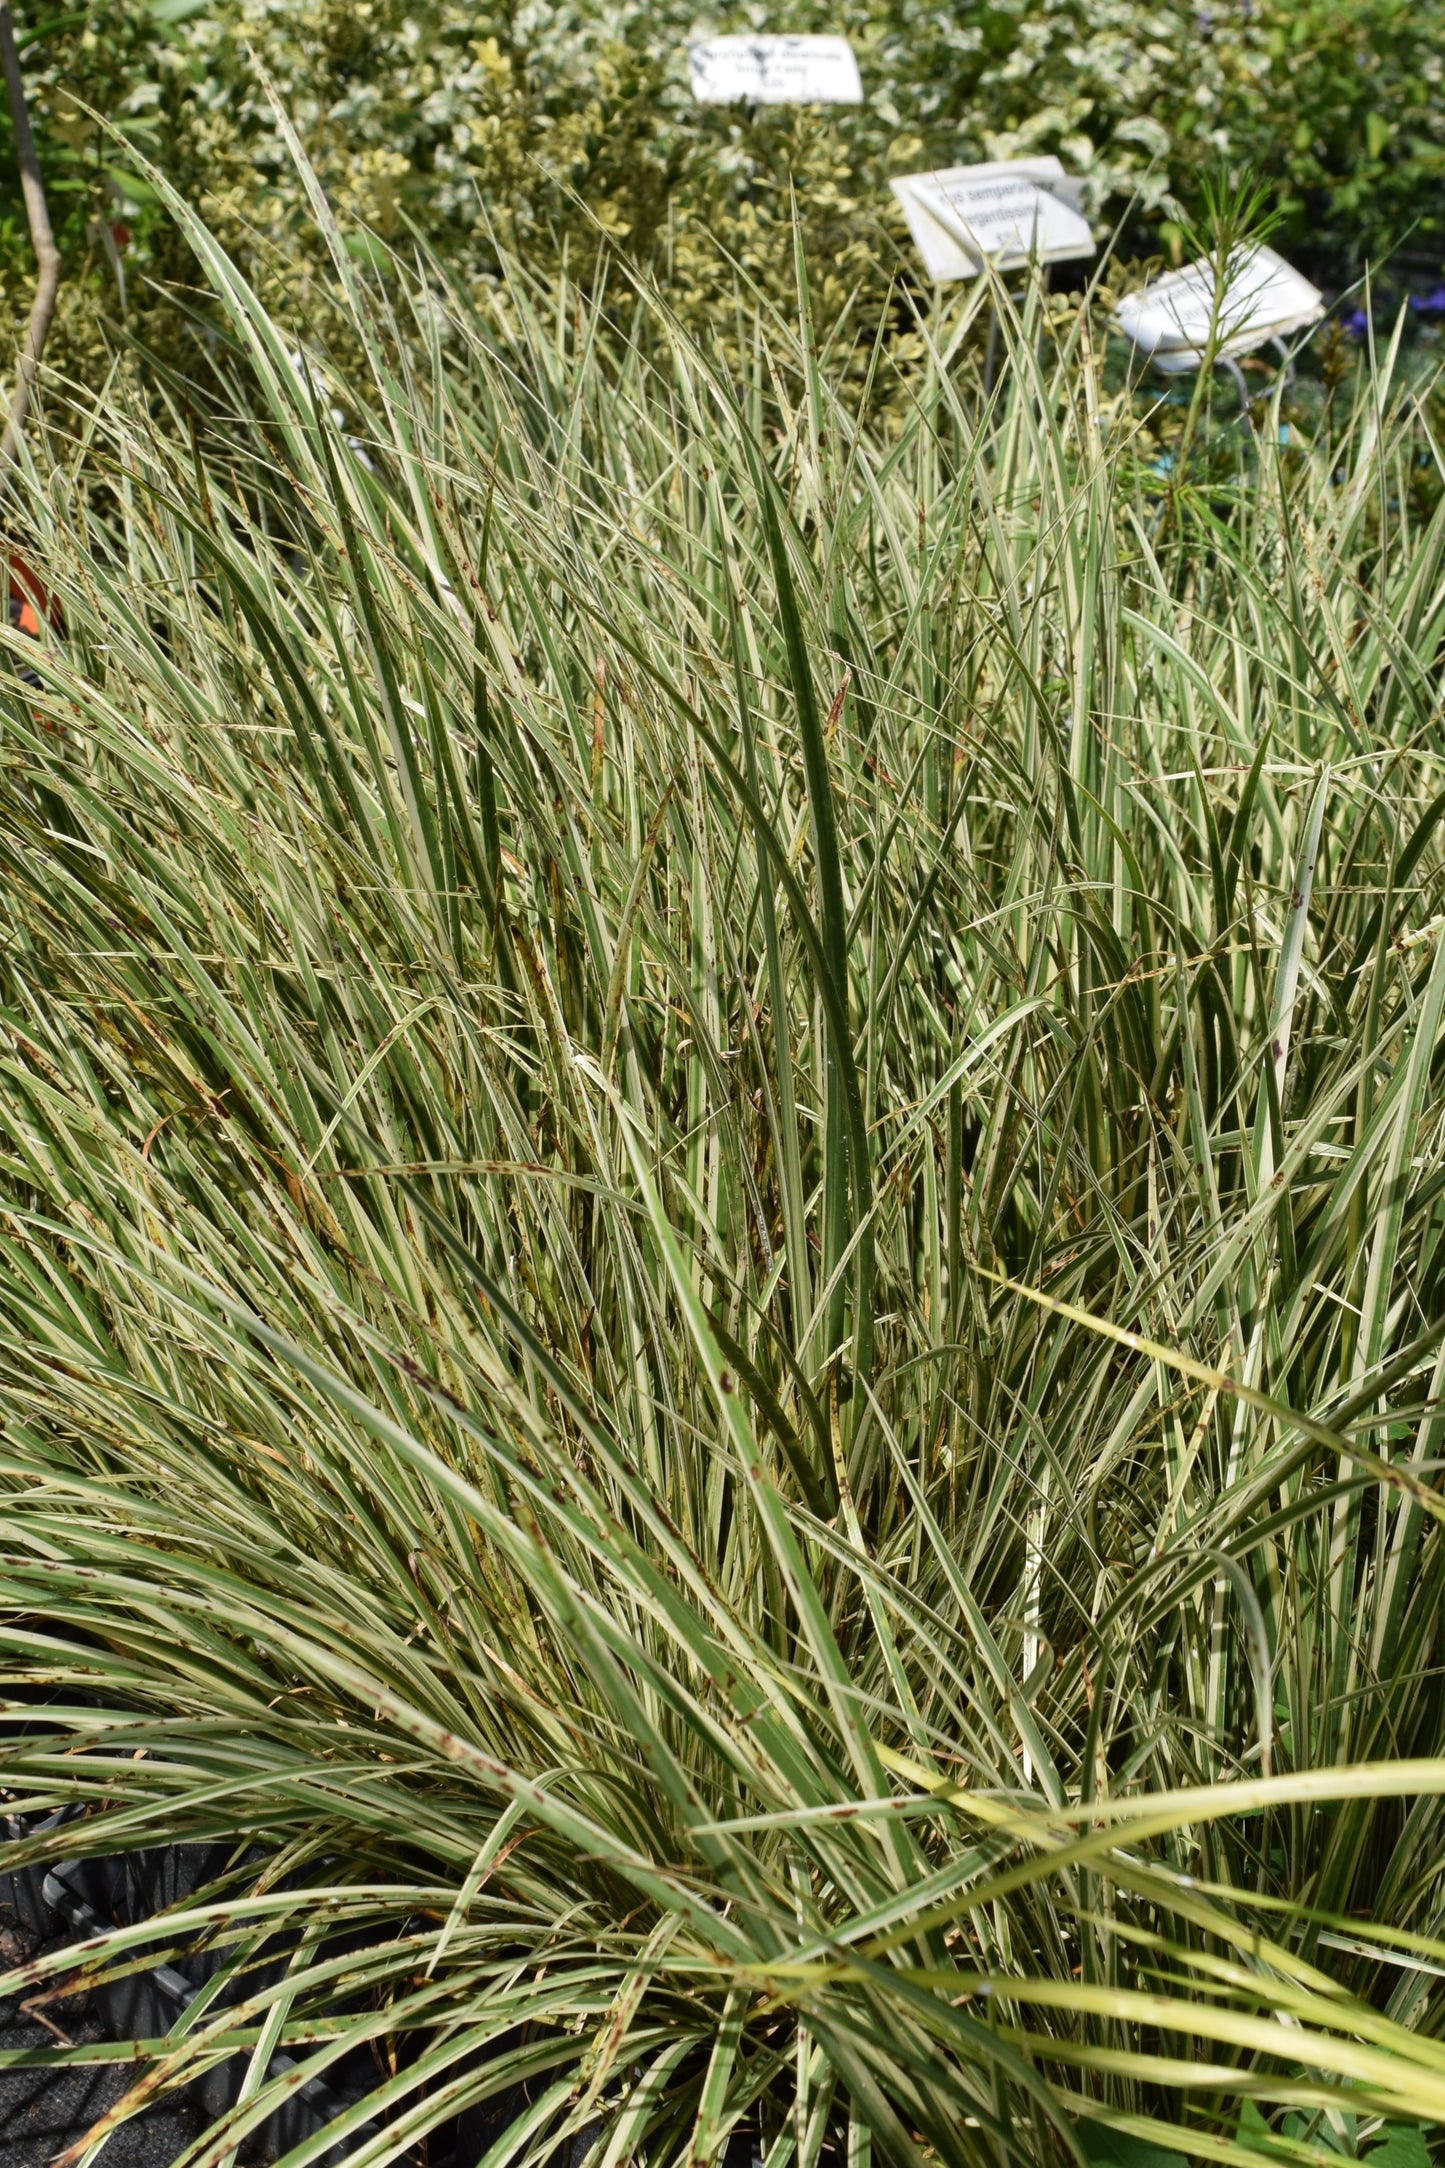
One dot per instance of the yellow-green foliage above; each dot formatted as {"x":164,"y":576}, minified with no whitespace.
{"x":722,"y":1247}
{"x":523,"y":123}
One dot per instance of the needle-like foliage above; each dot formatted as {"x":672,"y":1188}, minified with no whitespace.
{"x":720,"y":1270}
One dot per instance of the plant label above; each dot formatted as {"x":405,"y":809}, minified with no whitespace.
{"x":774,"y":71}
{"x":1264,"y":298}
{"x":1005,"y":214}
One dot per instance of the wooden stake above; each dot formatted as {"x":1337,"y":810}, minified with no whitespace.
{"x":47,"y":255}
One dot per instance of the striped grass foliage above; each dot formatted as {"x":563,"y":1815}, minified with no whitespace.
{"x":723,"y":1175}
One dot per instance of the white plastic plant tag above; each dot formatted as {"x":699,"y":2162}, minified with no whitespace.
{"x":962,"y":217}
{"x":1264,"y":298}
{"x":774,"y":71}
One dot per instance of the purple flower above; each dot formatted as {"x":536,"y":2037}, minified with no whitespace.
{"x":1431,"y":304}
{"x":1356,"y":325}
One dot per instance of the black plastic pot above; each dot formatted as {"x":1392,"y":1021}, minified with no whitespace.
{"x":84,"y":1897}
{"x":87,"y":1896}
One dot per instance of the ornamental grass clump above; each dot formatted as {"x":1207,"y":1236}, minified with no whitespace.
{"x":724,"y":1163}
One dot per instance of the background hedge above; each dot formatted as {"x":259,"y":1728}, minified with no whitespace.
{"x":492,"y":126}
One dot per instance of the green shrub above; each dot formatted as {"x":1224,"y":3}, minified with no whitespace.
{"x":466,"y":124}
{"x":723,"y":1167}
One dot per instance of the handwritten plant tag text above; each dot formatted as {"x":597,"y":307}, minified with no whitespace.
{"x":1005,"y":214}
{"x":1173,"y":318}
{"x":774,"y":71}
